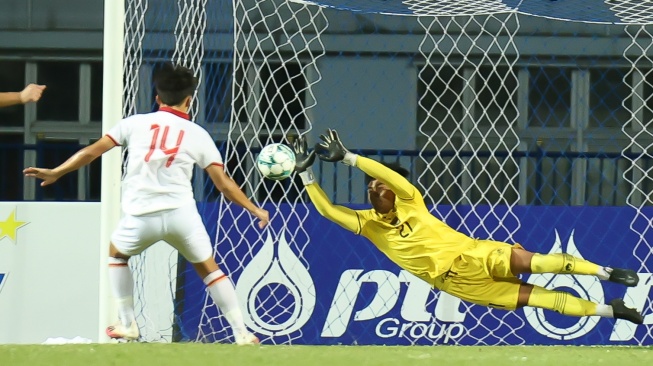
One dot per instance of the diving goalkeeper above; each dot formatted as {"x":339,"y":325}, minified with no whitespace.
{"x":482,"y":272}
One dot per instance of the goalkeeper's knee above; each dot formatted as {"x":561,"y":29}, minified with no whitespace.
{"x":560,"y":302}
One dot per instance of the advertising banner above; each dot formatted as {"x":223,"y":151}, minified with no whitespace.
{"x":49,"y":271}
{"x":307,"y":280}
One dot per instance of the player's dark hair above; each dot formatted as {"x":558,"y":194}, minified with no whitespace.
{"x":173,"y":83}
{"x":396,"y":167}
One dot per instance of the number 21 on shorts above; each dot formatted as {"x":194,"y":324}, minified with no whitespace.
{"x":162,"y":145}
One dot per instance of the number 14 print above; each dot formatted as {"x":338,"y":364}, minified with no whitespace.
{"x":162,"y":145}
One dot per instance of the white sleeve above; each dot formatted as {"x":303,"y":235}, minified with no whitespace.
{"x":208,"y":152}
{"x":119,"y":132}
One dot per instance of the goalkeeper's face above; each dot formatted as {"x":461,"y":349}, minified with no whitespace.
{"x":381,"y":198}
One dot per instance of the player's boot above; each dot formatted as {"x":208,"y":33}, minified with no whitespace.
{"x":246,"y":339}
{"x":626,"y":277}
{"x":620,"y":311}
{"x":119,"y":331}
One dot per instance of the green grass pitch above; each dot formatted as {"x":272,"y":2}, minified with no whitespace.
{"x":191,"y":354}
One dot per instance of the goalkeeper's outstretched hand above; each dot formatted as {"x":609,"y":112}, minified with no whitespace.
{"x":303,"y":158}
{"x":332,"y":148}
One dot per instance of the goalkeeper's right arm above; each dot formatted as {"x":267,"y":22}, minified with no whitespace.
{"x":341,"y":215}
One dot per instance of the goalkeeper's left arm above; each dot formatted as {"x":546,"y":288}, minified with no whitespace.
{"x":397,"y":184}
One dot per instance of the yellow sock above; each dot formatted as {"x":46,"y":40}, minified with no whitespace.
{"x":561,"y":302}
{"x":565,"y":264}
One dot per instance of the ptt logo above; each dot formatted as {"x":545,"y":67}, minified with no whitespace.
{"x":588,"y":288}
{"x":276,"y":273}
{"x":451,"y":322}
{"x":414,"y":321}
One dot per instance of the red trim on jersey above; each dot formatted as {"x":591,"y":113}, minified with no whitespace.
{"x":216,"y":164}
{"x":216,"y":280}
{"x":175,"y":112}
{"x":112,"y":139}
{"x":117,"y":264}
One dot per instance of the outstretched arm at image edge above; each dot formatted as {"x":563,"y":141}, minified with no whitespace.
{"x":81,"y":158}
{"x":398,"y":184}
{"x":341,"y":215}
{"x":31,"y":93}
{"x":9,"y":99}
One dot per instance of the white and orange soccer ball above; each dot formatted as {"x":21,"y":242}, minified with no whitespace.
{"x":276,"y":161}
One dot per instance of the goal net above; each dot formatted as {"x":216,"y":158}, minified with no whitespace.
{"x":520,"y":121}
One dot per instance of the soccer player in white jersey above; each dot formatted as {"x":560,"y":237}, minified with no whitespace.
{"x":157,"y":196}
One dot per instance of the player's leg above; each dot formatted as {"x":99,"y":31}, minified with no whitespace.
{"x":133,"y":235}
{"x":568,"y":304}
{"x":122,"y":286}
{"x":224,"y":295}
{"x":503,"y":290}
{"x":472,"y":277}
{"x":187,"y":233}
{"x":523,"y":261}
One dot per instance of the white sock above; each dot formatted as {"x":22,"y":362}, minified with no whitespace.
{"x":604,"y":311}
{"x":604,"y":273}
{"x":122,"y":285}
{"x":224,"y":295}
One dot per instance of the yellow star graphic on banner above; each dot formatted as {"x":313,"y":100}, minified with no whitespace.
{"x":9,"y":227}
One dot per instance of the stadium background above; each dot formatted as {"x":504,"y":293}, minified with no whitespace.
{"x":571,"y":88}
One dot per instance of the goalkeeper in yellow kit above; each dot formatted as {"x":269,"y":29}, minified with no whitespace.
{"x":482,"y":272}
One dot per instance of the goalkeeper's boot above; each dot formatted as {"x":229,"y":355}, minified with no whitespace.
{"x":119,"y":331}
{"x":620,"y":311}
{"x":626,"y":277}
{"x":246,"y":339}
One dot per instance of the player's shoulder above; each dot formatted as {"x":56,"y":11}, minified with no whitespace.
{"x":416,"y":202}
{"x":415,"y":195}
{"x":366,"y":215}
{"x":138,"y":118}
{"x":179,"y":119}
{"x":128,"y":124}
{"x":196,"y":129}
{"x":133,"y":117}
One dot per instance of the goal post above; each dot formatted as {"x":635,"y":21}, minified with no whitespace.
{"x":519,"y":121}
{"x":112,"y":113}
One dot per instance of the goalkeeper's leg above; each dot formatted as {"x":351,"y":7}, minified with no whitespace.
{"x":482,"y":276}
{"x":568,"y":304}
{"x":523,"y":261}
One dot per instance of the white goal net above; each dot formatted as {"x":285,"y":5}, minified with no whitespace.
{"x":520,"y":121}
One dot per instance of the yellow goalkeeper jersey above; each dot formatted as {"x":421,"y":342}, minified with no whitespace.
{"x":410,"y":236}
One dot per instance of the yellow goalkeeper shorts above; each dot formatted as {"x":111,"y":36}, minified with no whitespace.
{"x":481,"y":275}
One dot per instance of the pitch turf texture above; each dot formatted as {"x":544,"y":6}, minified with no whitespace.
{"x":220,"y":354}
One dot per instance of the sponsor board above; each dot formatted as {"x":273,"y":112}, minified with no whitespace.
{"x":308,"y":281}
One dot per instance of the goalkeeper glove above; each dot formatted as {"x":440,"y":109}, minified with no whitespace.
{"x":334,"y":150}
{"x":303,"y":160}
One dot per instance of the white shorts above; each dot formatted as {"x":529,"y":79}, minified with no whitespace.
{"x":182,"y":228}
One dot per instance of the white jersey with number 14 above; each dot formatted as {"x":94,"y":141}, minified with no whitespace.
{"x":162,"y":148}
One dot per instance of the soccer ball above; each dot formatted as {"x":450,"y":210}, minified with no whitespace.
{"x":276,"y":161}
